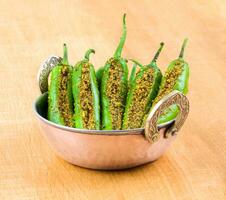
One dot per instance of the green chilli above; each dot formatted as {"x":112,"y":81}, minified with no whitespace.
{"x":143,"y":89}
{"x":86,"y":95}
{"x":99,"y":75}
{"x":60,"y":100}
{"x":114,"y":85}
{"x":132,"y":76}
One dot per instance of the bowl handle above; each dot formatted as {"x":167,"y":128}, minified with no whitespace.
{"x":44,"y":71}
{"x":151,"y":131}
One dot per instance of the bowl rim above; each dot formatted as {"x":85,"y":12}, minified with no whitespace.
{"x":135,"y":131}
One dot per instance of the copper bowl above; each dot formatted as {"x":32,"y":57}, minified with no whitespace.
{"x":112,"y":149}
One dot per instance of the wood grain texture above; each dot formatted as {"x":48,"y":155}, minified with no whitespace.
{"x":195,"y":165}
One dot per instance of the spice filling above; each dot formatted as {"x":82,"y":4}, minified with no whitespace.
{"x":64,"y":105}
{"x":140,"y":99}
{"x":115,"y":92}
{"x":86,"y":98}
{"x":170,"y":81}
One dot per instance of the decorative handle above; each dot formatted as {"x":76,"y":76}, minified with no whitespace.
{"x":151,"y":131}
{"x":44,"y":71}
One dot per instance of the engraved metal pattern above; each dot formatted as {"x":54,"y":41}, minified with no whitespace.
{"x":44,"y":71}
{"x":175,"y":97}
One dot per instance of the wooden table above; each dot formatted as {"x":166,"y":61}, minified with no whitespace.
{"x":195,"y":165}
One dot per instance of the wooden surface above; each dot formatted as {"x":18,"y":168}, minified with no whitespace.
{"x":195,"y":165}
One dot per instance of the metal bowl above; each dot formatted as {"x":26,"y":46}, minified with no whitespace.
{"x":112,"y":149}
